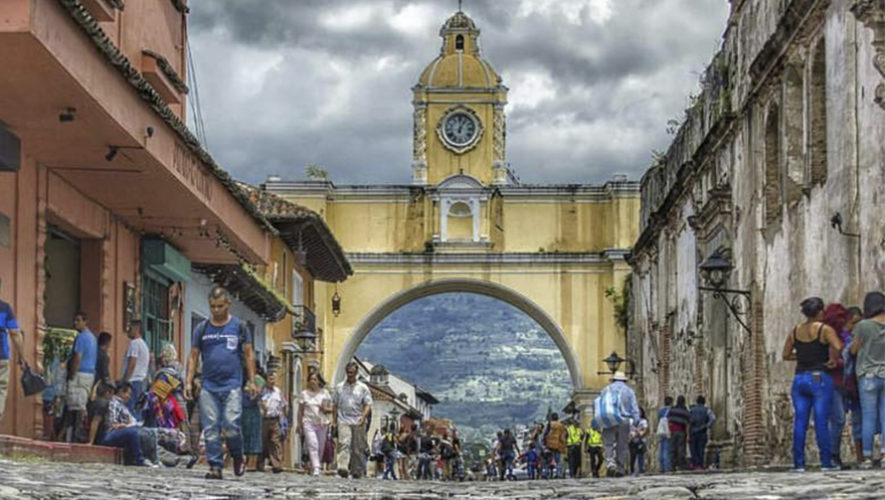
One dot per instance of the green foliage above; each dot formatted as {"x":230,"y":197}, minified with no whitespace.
{"x":621,"y":302}
{"x":316,"y":173}
{"x":57,"y":344}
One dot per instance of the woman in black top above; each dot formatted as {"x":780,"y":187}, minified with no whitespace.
{"x":809,"y":345}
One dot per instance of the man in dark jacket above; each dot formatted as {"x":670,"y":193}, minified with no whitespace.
{"x":700,"y":421}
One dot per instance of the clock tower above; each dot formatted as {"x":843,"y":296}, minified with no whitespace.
{"x":459,"y":122}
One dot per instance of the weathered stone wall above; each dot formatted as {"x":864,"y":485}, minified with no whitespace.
{"x":785,"y":134}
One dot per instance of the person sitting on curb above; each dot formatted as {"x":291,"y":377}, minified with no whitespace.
{"x":108,"y":429}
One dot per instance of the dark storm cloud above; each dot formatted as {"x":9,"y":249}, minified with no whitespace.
{"x":287,"y":83}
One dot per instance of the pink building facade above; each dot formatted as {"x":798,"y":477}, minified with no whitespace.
{"x":105,"y":198}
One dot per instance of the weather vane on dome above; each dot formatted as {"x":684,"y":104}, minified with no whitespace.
{"x":460,"y":5}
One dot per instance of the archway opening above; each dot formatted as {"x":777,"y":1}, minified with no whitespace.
{"x":491,"y":357}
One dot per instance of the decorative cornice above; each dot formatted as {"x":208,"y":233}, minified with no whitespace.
{"x":169,"y":71}
{"x":576,"y":192}
{"x":148,"y":94}
{"x":872,"y":14}
{"x":484,"y":258}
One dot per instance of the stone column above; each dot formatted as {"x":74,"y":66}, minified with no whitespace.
{"x":583,"y":400}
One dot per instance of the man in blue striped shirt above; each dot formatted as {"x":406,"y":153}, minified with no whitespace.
{"x":616,"y":438}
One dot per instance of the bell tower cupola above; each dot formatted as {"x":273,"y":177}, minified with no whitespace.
{"x":459,"y":120}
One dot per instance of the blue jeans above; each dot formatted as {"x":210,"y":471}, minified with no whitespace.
{"x":872,"y":403}
{"x":698,"y":446}
{"x":664,"y":455}
{"x":129,"y":440}
{"x":137,"y":389}
{"x":812,"y":391}
{"x":220,"y":412}
{"x":842,"y":404}
{"x":508,"y":457}
{"x":557,"y":459}
{"x":389,"y":465}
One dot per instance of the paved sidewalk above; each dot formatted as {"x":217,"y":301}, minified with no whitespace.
{"x":46,"y":480}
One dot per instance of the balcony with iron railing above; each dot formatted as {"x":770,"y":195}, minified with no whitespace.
{"x":303,"y":320}
{"x":304,"y":329}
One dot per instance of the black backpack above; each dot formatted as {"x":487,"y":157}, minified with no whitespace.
{"x":699,"y":418}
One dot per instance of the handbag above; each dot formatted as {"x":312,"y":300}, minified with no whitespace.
{"x":663,"y":430}
{"x":31,"y":382}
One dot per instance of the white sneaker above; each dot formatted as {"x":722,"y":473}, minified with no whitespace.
{"x":866,"y":464}
{"x":316,"y":472}
{"x":798,"y":469}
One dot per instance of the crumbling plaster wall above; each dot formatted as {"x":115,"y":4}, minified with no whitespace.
{"x":798,"y":254}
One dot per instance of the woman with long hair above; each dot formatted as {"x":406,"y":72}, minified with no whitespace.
{"x":313,"y":418}
{"x":809,"y":345}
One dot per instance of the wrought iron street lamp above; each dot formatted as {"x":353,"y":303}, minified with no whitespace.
{"x":715,"y":272}
{"x":306,"y":342}
{"x":614,"y":361}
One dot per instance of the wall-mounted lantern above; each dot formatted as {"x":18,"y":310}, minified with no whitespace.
{"x":336,"y":303}
{"x":614,"y":361}
{"x":715,"y":272}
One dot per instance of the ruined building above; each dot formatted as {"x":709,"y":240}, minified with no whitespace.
{"x":778,"y":170}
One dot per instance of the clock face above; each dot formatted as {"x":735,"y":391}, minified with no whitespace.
{"x":459,"y":129}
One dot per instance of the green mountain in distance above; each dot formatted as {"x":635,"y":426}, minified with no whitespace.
{"x":490,"y":365}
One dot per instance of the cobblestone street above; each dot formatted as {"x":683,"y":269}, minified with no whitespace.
{"x":70,"y":481}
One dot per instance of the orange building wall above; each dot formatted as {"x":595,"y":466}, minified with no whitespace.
{"x":105,"y":264}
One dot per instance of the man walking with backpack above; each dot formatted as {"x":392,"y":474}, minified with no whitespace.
{"x":700,"y":421}
{"x":224,"y":344}
{"x":614,"y":411}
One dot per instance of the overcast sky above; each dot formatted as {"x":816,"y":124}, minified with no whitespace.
{"x":287,"y":83}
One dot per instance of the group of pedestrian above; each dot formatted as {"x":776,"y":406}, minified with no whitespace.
{"x":840,"y":368}
{"x":158,"y":414}
{"x":680,"y":426}
{"x":417,"y":453}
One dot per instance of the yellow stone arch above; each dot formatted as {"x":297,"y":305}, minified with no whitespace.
{"x":466,"y":224}
{"x":388,"y":305}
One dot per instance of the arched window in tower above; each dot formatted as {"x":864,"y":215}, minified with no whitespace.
{"x":772,"y":165}
{"x":460,"y":222}
{"x":817,"y":107}
{"x":459,"y":42}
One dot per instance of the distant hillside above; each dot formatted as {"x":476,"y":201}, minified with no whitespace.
{"x":490,"y":365}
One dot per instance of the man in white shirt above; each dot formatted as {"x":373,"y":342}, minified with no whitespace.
{"x":137,"y":360}
{"x":353,"y":403}
{"x":273,"y":407}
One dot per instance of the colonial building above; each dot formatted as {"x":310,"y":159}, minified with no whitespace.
{"x":464,"y":224}
{"x":108,"y":204}
{"x":395,"y":400}
{"x":776,"y":172}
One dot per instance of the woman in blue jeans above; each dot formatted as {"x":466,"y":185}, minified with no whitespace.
{"x":809,"y":345}
{"x":869,"y":345}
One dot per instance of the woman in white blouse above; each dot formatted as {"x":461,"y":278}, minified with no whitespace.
{"x":313,"y":418}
